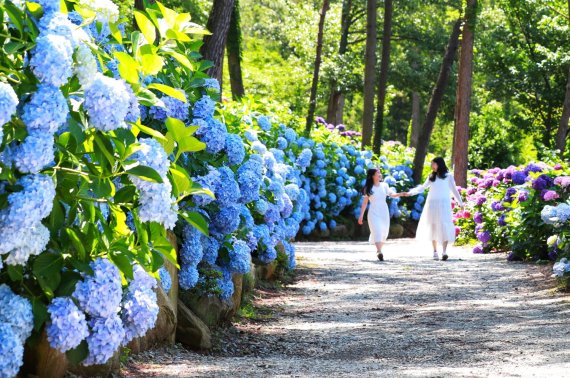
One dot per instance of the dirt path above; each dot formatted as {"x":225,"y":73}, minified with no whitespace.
{"x":350,"y":316}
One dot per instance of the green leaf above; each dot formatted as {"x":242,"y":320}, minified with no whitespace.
{"x":196,"y":220}
{"x":190,"y":144}
{"x":123,"y":263}
{"x":183,"y":60}
{"x":145,"y":173}
{"x":181,"y":179}
{"x":69,"y":279}
{"x":102,"y":187}
{"x":78,"y":354}
{"x":47,"y":270}
{"x":169,"y":91}
{"x":125,"y":195}
{"x":146,"y":27}
{"x":128,"y":67}
{"x":148,"y":98}
{"x":151,"y":64}
{"x":177,"y":128}
{"x":15,"y":15}
{"x":150,"y":131}
{"x":39,"y":309}
{"x":168,"y":14}
{"x":162,"y":245}
{"x":115,"y":32}
{"x":168,"y":144}
{"x":15,"y":272}
{"x":77,"y":244}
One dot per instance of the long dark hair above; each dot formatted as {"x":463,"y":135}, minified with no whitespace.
{"x":441,"y":169}
{"x":367,"y":190}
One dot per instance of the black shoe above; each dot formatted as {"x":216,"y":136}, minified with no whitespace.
{"x":380,"y":256}
{"x":444,"y":257}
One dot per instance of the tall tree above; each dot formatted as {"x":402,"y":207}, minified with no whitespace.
{"x":336,"y":100}
{"x":435,"y":101}
{"x":234,"y":50}
{"x":563,"y":125}
{"x":214,"y":44}
{"x":463,"y":97}
{"x":384,"y":68}
{"x":416,"y":108}
{"x":369,"y":74}
{"x":318,"y":59}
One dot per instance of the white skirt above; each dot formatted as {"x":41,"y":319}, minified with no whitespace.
{"x":379,"y":223}
{"x":436,"y":222}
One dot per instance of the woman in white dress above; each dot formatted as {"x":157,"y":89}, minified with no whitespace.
{"x":436,"y":221}
{"x":375,"y":192}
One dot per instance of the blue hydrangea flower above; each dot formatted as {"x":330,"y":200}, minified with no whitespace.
{"x":204,"y":108}
{"x":518,"y":177}
{"x":304,"y":159}
{"x":47,"y":110}
{"x":21,"y":243}
{"x":227,"y":189}
{"x":140,"y":307}
{"x":240,"y":257}
{"x":209,"y":181}
{"x":251,"y":135}
{"x":264,"y":123}
{"x":35,"y":153}
{"x":226,"y":284}
{"x":105,"y":93}
{"x":261,"y":206}
{"x":11,"y":352}
{"x":107,"y":334}
{"x":165,"y":279}
{"x":226,"y":221}
{"x":67,"y":326}
{"x":134,"y":110}
{"x":52,"y":59}
{"x":290,"y":135}
{"x":269,"y":255}
{"x":212,"y":84}
{"x":191,"y":252}
{"x":212,"y":132}
{"x":249,"y":184}
{"x":188,"y":276}
{"x":259,"y":147}
{"x":282,"y":143}
{"x":8,"y":104}
{"x":272,"y":214}
{"x":58,"y":23}
{"x":16,"y":312}
{"x":235,"y":149}
{"x":50,"y":6}
{"x":210,"y":246}
{"x":100,"y":295}
{"x":85,"y":67}
{"x":173,"y":108}
{"x":158,"y":205}
{"x":248,"y":221}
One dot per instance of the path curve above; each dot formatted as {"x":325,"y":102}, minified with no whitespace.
{"x":350,"y":315}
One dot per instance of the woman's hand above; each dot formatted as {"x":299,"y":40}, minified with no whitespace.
{"x":360,"y":221}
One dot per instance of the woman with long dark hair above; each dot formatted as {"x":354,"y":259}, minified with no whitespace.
{"x":436,"y":222}
{"x":375,"y":192}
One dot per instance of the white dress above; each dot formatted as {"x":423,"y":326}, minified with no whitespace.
{"x":436,"y":222}
{"x":378,"y":214}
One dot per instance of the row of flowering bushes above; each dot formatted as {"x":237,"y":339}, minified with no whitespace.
{"x":112,"y":139}
{"x":524,"y":210}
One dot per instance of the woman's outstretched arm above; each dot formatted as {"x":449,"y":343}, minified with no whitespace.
{"x":454,"y":190}
{"x":363,"y":209}
{"x":392,"y":193}
{"x":419,"y":189}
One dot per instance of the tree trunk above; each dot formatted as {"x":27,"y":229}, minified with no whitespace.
{"x":313,"y":97}
{"x":415,"y":134}
{"x":563,"y":126}
{"x":233,"y":47}
{"x":463,"y":97}
{"x":336,"y":100}
{"x":435,"y":101}
{"x":213,"y":47}
{"x":369,"y":74}
{"x":384,"y":68}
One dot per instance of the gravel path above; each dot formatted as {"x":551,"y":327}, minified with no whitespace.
{"x":348,"y":315}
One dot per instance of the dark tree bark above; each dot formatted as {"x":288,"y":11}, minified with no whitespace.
{"x":563,"y":126}
{"x":318,"y":59}
{"x":234,"y":49}
{"x":416,"y":106}
{"x":384,"y":69}
{"x":369,"y":74}
{"x":213,"y":47}
{"x":335,"y":110}
{"x":463,"y":97}
{"x":435,"y":101}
